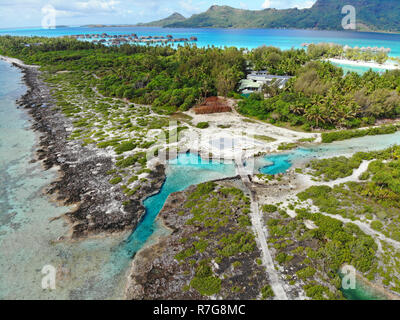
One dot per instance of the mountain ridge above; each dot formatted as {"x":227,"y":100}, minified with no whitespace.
{"x":372,"y":15}
{"x":173,"y":18}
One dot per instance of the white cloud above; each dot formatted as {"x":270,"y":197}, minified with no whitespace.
{"x":188,"y":7}
{"x":279,"y":4}
{"x":91,"y":6}
{"x":266,"y":4}
{"x":243,"y":5}
{"x":74,"y":12}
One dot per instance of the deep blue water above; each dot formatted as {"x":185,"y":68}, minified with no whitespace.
{"x":242,"y":38}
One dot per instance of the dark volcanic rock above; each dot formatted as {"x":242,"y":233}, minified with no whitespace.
{"x":156,"y":273}
{"x":83,"y":179}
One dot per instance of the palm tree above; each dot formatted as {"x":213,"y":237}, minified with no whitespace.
{"x":315,"y":114}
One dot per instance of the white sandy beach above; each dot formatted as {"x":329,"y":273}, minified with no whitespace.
{"x":15,"y":61}
{"x":388,"y":65}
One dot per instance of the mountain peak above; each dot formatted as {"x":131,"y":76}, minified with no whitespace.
{"x":173,"y":18}
{"x":216,"y":7}
{"x":176,"y":15}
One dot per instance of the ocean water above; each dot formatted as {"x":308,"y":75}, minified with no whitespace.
{"x":186,"y":170}
{"x":91,"y":269}
{"x":358,"y":69}
{"x":27,"y":237}
{"x":241,"y":38}
{"x":280,"y":163}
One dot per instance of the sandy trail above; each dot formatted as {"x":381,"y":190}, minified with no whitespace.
{"x":306,"y":180}
{"x":261,"y":238}
{"x":368,"y":230}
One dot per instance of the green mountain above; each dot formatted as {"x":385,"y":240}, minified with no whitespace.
{"x":173,"y":18}
{"x":372,"y":15}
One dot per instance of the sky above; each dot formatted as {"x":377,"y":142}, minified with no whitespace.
{"x":29,"y":13}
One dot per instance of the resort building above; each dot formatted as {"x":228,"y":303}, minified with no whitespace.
{"x":257,"y":79}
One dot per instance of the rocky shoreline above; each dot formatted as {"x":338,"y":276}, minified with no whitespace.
{"x":158,"y":274}
{"x":83,"y":170}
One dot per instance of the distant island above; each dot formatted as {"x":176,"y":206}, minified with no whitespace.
{"x":173,"y":18}
{"x":372,"y":15}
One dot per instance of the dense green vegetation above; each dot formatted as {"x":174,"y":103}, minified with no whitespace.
{"x":328,"y":137}
{"x":312,"y":257}
{"x":324,"y":14}
{"x":374,"y":201}
{"x":217,"y":231}
{"x":377,"y":196}
{"x":278,"y":62}
{"x":166,"y":78}
{"x":334,"y":168}
{"x":320,"y":96}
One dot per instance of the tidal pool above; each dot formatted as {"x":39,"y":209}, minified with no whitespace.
{"x":362,"y":291}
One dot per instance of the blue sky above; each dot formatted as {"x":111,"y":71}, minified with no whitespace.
{"x":22,"y":13}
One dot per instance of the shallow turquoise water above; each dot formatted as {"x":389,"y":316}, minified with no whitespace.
{"x":280,"y":163}
{"x":26,"y":233}
{"x":186,"y":170}
{"x":358,"y":69}
{"x":361,"y":292}
{"x":90,"y":269}
{"x":242,"y":38}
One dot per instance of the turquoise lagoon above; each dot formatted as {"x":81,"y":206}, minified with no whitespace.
{"x":186,"y":170}
{"x":241,"y":38}
{"x":280,"y":163}
{"x":357,"y":69}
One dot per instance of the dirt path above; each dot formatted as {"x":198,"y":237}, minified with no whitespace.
{"x":306,"y":180}
{"x":261,"y":238}
{"x":368,"y":230}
